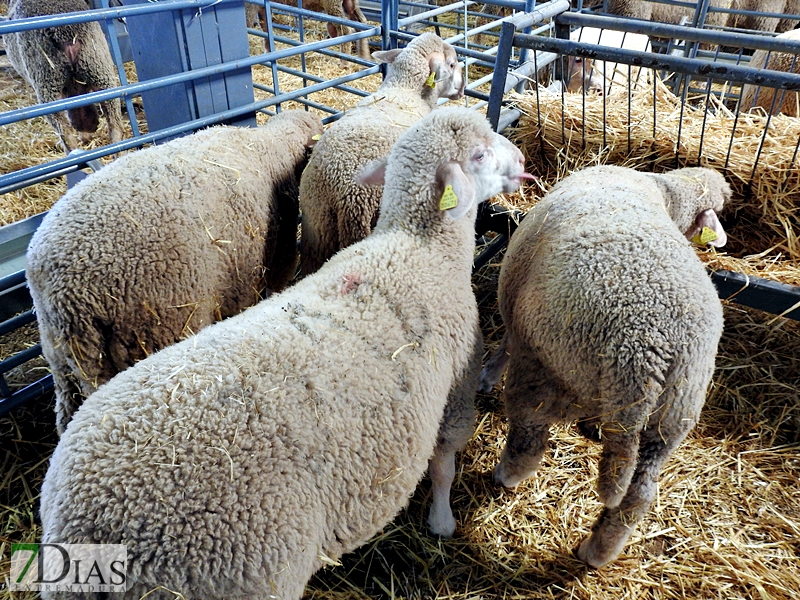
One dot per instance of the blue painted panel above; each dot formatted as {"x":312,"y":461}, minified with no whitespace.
{"x":173,"y":42}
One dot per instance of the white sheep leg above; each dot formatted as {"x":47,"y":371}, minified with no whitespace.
{"x":495,"y":366}
{"x":442,"y":470}
{"x":113,"y":113}
{"x":455,"y":431}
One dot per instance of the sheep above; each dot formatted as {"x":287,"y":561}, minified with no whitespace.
{"x":342,"y":9}
{"x":336,"y":211}
{"x":610,"y":320}
{"x":763,"y":23}
{"x":754,"y":96}
{"x":161,"y":243}
{"x":235,"y":464}
{"x":588,"y":75}
{"x":62,"y":62}
{"x":666,"y":13}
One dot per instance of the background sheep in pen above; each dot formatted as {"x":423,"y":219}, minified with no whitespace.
{"x":611,"y":320}
{"x":161,"y":243}
{"x":342,"y":9}
{"x":337,"y":211}
{"x":771,"y":100}
{"x":62,"y":62}
{"x":290,"y":434}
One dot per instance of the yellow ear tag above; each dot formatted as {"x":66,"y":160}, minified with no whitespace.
{"x":705,"y":236}
{"x":449,"y":199}
{"x":317,"y":137}
{"x":431,"y":81}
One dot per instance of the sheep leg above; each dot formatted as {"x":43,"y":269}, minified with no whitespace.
{"x":354,"y":13}
{"x":613,"y":528}
{"x":113,"y":113}
{"x":525,"y":446}
{"x":442,"y":470}
{"x":458,"y":424}
{"x":533,"y":402}
{"x":495,"y":366}
{"x":617,"y":466}
{"x":59,"y":122}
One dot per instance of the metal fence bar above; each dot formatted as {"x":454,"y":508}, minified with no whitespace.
{"x":650,"y":60}
{"x":680,"y":32}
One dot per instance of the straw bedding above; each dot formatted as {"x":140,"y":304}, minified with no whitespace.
{"x":650,"y":129}
{"x":726,"y":522}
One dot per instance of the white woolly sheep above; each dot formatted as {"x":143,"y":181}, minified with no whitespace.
{"x":161,"y":243}
{"x":610,"y":320}
{"x":62,"y":62}
{"x":342,"y":9}
{"x":336,"y":211}
{"x":786,"y":102}
{"x":235,"y":464}
{"x":603,"y":77}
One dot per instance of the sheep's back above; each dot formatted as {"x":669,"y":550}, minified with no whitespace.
{"x":161,"y":242}
{"x":276,"y":436}
{"x":600,"y":284}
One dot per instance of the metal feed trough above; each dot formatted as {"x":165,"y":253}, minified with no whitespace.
{"x":193,"y":64}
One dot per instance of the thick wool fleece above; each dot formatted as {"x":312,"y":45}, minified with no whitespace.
{"x":236,"y":463}
{"x":608,"y":292}
{"x":65,"y":61}
{"x":787,"y":103}
{"x":163,"y":242}
{"x":336,"y":211}
{"x":611,"y":320}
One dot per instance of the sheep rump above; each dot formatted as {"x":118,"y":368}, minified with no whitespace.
{"x":161,"y":243}
{"x":611,"y":320}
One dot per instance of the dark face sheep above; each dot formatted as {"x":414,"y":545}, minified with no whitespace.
{"x":63,"y":62}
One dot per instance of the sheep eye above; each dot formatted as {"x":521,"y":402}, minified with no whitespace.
{"x":479,"y":156}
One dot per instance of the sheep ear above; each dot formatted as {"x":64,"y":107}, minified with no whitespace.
{"x":438,"y":66}
{"x":386,"y":56}
{"x":708,"y":230}
{"x":373,"y":173}
{"x":456,"y":189}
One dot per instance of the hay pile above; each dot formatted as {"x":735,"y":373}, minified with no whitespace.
{"x":650,"y":130}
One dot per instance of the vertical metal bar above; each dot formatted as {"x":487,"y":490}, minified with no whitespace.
{"x":273,"y":63}
{"x":498,"y":89}
{"x":116,"y":53}
{"x":705,"y":120}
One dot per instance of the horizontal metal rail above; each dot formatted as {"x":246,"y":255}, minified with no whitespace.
{"x":679,"y":32}
{"x":651,"y":60}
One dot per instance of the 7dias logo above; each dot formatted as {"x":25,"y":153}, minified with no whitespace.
{"x":68,"y":567}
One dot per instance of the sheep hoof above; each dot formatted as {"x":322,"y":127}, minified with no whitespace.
{"x":442,"y":522}
{"x":502,"y":477}
{"x":594,"y":554}
{"x":485,"y":387}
